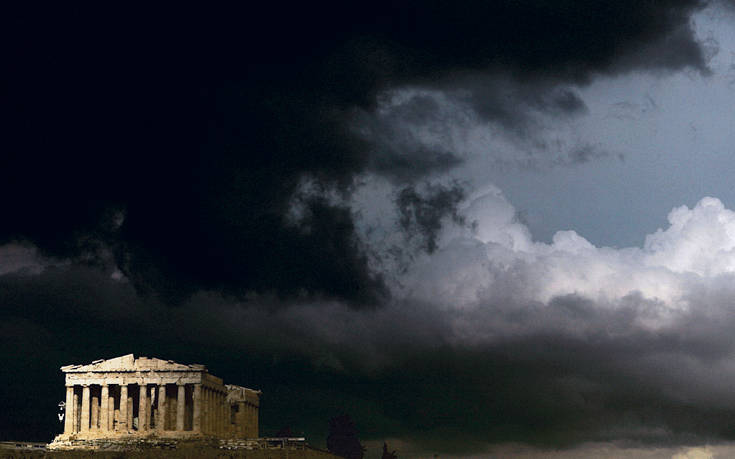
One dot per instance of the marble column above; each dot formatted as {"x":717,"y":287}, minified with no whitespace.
{"x":203,"y":424}
{"x":197,"y":411}
{"x":69,"y":411}
{"x":241,"y":418}
{"x":104,"y":408}
{"x":213,"y":409}
{"x":215,"y":413}
{"x":131,"y":411}
{"x":207,"y":411}
{"x":161,"y":421}
{"x":94,"y":412}
{"x":180,"y":407}
{"x":85,"y":409}
{"x":254,"y":417}
{"x":110,"y":413}
{"x":227,"y":412}
{"x":225,"y":415}
{"x":75,"y":410}
{"x":203,"y":409}
{"x":142,"y":402}
{"x":123,"y":421}
{"x":220,"y":411}
{"x":149,"y":407}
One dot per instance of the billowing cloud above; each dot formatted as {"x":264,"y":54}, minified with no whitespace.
{"x":510,"y":339}
{"x":16,"y":257}
{"x":202,"y":134}
{"x":697,"y":245}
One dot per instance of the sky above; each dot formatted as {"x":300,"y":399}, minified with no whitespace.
{"x":487,"y":228}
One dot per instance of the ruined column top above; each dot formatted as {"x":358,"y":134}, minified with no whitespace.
{"x":243,"y":394}
{"x":128,"y":369}
{"x":128,"y":363}
{"x":142,"y":370}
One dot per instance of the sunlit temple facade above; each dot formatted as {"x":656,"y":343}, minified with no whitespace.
{"x":128,"y":397}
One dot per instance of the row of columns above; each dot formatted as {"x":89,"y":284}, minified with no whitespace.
{"x":215,"y":417}
{"x":95,"y":413}
{"x":246,"y":420}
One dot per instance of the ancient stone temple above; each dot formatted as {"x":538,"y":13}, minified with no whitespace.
{"x":128,"y":397}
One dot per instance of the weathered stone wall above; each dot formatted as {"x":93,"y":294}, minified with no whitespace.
{"x":243,"y":405}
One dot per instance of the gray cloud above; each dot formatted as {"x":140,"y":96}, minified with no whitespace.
{"x":549,"y":345}
{"x":586,"y":153}
{"x":423,"y":211}
{"x":513,"y":105}
{"x":219,"y":143}
{"x":449,"y":372}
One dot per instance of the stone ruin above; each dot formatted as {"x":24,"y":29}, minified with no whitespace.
{"x":141,"y":399}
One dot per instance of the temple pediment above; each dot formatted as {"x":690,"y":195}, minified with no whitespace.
{"x":130,"y":363}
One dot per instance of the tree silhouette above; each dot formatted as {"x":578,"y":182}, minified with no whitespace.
{"x":342,"y":439}
{"x":388,"y":455}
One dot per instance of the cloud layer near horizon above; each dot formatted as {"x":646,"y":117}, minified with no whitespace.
{"x":500,"y":337}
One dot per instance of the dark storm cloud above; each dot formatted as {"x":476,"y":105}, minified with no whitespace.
{"x":554,"y":374}
{"x":414,"y":163}
{"x":422,"y":211}
{"x":397,"y":150}
{"x":569,"y":372}
{"x":585,"y":153}
{"x":512,"y":105}
{"x":567,"y":101}
{"x":198,"y":126}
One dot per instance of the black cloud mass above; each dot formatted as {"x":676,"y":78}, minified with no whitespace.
{"x":155,"y":156}
{"x":199,"y":125}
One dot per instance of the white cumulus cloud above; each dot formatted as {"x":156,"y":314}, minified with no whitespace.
{"x":497,"y":259}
